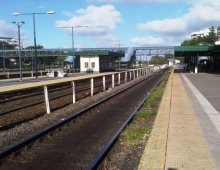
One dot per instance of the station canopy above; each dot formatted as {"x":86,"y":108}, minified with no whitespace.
{"x":97,"y":53}
{"x":197,"y":50}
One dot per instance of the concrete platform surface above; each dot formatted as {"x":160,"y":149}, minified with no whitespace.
{"x":186,"y":132}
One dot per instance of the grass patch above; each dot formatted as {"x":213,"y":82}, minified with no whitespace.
{"x":166,"y":77}
{"x":142,"y":114}
{"x":140,"y":130}
{"x":155,"y":96}
{"x":134,"y":135}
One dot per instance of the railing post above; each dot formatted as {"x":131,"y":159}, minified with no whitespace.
{"x":134,"y":74}
{"x":113,"y":80}
{"x":119,"y":78}
{"x":47,"y":102}
{"x":103,"y":82}
{"x":92,"y":86}
{"x":74,"y":91}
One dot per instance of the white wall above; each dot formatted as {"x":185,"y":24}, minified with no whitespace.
{"x":89,"y":60}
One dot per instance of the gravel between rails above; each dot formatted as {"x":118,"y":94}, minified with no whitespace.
{"x":18,"y":133}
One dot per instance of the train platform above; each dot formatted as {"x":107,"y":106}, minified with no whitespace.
{"x":186,"y":131}
{"x":26,"y":82}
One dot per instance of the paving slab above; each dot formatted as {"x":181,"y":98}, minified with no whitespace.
{"x":186,"y":132}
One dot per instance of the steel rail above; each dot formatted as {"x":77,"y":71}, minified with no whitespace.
{"x":98,"y":83}
{"x":96,"y":163}
{"x":12,"y":150}
{"x":51,"y":98}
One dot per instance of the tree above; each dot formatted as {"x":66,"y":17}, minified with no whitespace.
{"x":37,"y":47}
{"x":158,"y":60}
{"x":195,"y":41}
{"x":209,"y":39}
{"x":212,"y":37}
{"x":218,"y":32}
{"x":168,"y":56}
{"x":6,"y":45}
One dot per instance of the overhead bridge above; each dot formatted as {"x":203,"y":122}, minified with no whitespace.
{"x":129,"y":51}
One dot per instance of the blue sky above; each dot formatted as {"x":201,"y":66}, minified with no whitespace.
{"x":133,"y":23}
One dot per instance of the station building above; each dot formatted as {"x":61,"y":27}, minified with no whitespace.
{"x":93,"y":61}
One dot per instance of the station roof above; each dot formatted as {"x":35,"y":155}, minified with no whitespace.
{"x":197,"y":50}
{"x":97,"y":53}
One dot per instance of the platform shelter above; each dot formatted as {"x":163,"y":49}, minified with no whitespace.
{"x":193,"y":56}
{"x":96,"y":61}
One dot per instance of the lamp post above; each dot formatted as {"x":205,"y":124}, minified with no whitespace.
{"x":32,"y":61}
{"x":3,"y":56}
{"x":73,"y":42}
{"x":19,"y":24}
{"x":35,"y":49}
{"x":147,"y":61}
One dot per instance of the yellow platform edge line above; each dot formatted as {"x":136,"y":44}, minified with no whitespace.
{"x":154,"y":154}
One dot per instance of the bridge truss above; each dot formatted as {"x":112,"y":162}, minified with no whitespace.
{"x":138,"y":51}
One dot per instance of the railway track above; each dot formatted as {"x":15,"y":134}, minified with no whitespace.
{"x":20,"y":107}
{"x":88,"y":126}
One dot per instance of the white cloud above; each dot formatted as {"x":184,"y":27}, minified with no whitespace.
{"x":100,"y":20}
{"x":148,"y":41}
{"x":107,"y":40}
{"x":6,"y":29}
{"x":135,"y":1}
{"x":203,"y":31}
{"x":80,"y":44}
{"x":11,"y":31}
{"x":203,"y":14}
{"x":68,"y":14}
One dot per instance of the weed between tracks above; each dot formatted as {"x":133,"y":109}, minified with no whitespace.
{"x":139,"y":130}
{"x":128,"y":150}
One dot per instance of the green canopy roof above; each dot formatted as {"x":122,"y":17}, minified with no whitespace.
{"x":96,"y":53}
{"x":197,"y":50}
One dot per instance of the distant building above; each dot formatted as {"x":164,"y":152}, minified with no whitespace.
{"x":173,"y":61}
{"x":198,"y":34}
{"x":12,"y":41}
{"x":202,"y":34}
{"x":92,"y":61}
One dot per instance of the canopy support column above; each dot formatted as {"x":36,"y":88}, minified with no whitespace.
{"x":196,"y":58}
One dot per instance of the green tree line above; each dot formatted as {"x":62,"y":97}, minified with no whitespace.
{"x":159,"y":60}
{"x":209,"y":39}
{"x":6,"y":46}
